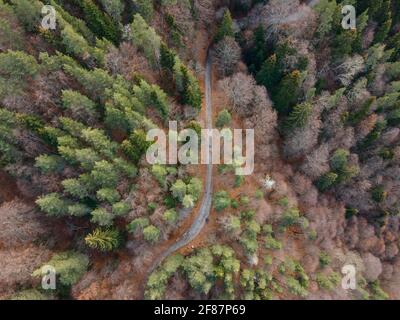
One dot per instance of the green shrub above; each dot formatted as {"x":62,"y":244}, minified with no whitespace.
{"x":86,"y":158}
{"x":114,"y":8}
{"x":290,"y":217}
{"x":339,"y":159}
{"x":126,"y":168}
{"x":100,"y":142}
{"x":152,"y":96}
{"x":156,"y":285}
{"x":173,"y":263}
{"x":187,"y":85}
{"x":288,"y":92}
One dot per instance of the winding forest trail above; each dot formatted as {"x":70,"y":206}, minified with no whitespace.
{"x":194,"y":225}
{"x":205,"y":206}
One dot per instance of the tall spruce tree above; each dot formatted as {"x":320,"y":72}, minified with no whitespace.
{"x":103,"y":239}
{"x":287,"y":93}
{"x":225,"y":28}
{"x":299,"y":116}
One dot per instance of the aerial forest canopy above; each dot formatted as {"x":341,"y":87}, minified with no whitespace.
{"x":79,"y":96}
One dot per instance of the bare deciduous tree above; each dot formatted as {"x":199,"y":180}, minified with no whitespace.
{"x":284,"y":17}
{"x":227,"y":52}
{"x":302,"y":140}
{"x":317,"y":163}
{"x":348,"y":69}
{"x":245,"y":95}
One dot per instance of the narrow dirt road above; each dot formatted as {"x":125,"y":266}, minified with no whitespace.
{"x":205,"y":207}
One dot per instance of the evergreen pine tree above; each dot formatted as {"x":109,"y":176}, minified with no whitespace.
{"x":53,"y":205}
{"x":362,"y":22}
{"x":326,"y":10}
{"x":373,"y":6}
{"x":103,"y":239}
{"x":269,"y":74}
{"x":101,"y":24}
{"x":225,"y":29}
{"x":136,"y":145}
{"x":145,"y":8}
{"x":288,"y":91}
{"x":191,"y":94}
{"x":258,"y":52}
{"x":151,"y":234}
{"x":167,"y":58}
{"x":394,"y":43}
{"x":70,"y":266}
{"x":344,"y":43}
{"x":28,"y":13}
{"x":384,"y":20}
{"x":299,"y":116}
{"x":355,"y":117}
{"x":326,"y":181}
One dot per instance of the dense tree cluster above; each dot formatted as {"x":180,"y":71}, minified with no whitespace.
{"x":336,"y":98}
{"x":70,"y":267}
{"x":75,"y":130}
{"x":202,"y":269}
{"x":76,"y":103}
